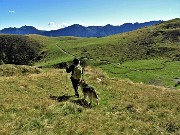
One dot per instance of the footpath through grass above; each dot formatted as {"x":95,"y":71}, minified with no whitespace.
{"x":43,"y":104}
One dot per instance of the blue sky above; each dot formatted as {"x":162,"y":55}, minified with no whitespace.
{"x":55,"y":14}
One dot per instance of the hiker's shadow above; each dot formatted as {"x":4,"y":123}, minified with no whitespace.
{"x":65,"y":97}
{"x":62,"y":98}
{"x":82,"y":103}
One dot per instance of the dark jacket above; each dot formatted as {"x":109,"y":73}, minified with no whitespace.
{"x":70,"y":69}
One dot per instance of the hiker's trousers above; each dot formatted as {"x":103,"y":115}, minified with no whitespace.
{"x":75,"y":83}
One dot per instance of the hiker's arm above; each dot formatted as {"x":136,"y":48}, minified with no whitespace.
{"x":69,"y":69}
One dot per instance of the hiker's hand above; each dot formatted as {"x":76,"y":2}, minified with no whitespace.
{"x":66,"y":65}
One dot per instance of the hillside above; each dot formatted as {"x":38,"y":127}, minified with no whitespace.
{"x":79,"y":30}
{"x":150,"y":42}
{"x":150,"y":55}
{"x":43,"y":103}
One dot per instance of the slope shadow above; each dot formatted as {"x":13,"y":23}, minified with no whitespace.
{"x":60,"y":98}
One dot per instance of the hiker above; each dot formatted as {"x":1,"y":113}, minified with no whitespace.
{"x":75,"y":70}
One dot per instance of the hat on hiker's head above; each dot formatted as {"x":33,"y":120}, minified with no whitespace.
{"x":76,"y":61}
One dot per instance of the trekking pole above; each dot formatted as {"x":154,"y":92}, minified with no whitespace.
{"x":66,"y":80}
{"x":83,"y":70}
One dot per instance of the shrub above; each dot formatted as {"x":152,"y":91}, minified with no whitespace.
{"x":18,"y":49}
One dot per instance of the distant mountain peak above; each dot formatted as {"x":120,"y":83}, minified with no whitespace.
{"x":76,"y":25}
{"x":79,"y":30}
{"x":28,"y":27}
{"x":108,"y":25}
{"x":25,"y":26}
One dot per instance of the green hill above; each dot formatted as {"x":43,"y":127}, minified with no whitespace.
{"x":150,"y":55}
{"x":151,"y":42}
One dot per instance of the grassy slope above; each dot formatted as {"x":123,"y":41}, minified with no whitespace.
{"x":11,"y":70}
{"x":125,"y":107}
{"x":131,"y":52}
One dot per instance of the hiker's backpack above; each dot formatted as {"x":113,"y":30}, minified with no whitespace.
{"x":77,"y":72}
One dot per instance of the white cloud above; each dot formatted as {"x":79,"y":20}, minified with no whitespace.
{"x":11,"y":11}
{"x":52,"y":24}
{"x":55,"y":26}
{"x":63,"y":25}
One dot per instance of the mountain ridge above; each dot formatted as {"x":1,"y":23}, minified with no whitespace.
{"x":79,"y":30}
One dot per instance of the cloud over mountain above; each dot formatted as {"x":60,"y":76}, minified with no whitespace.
{"x":52,"y":24}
